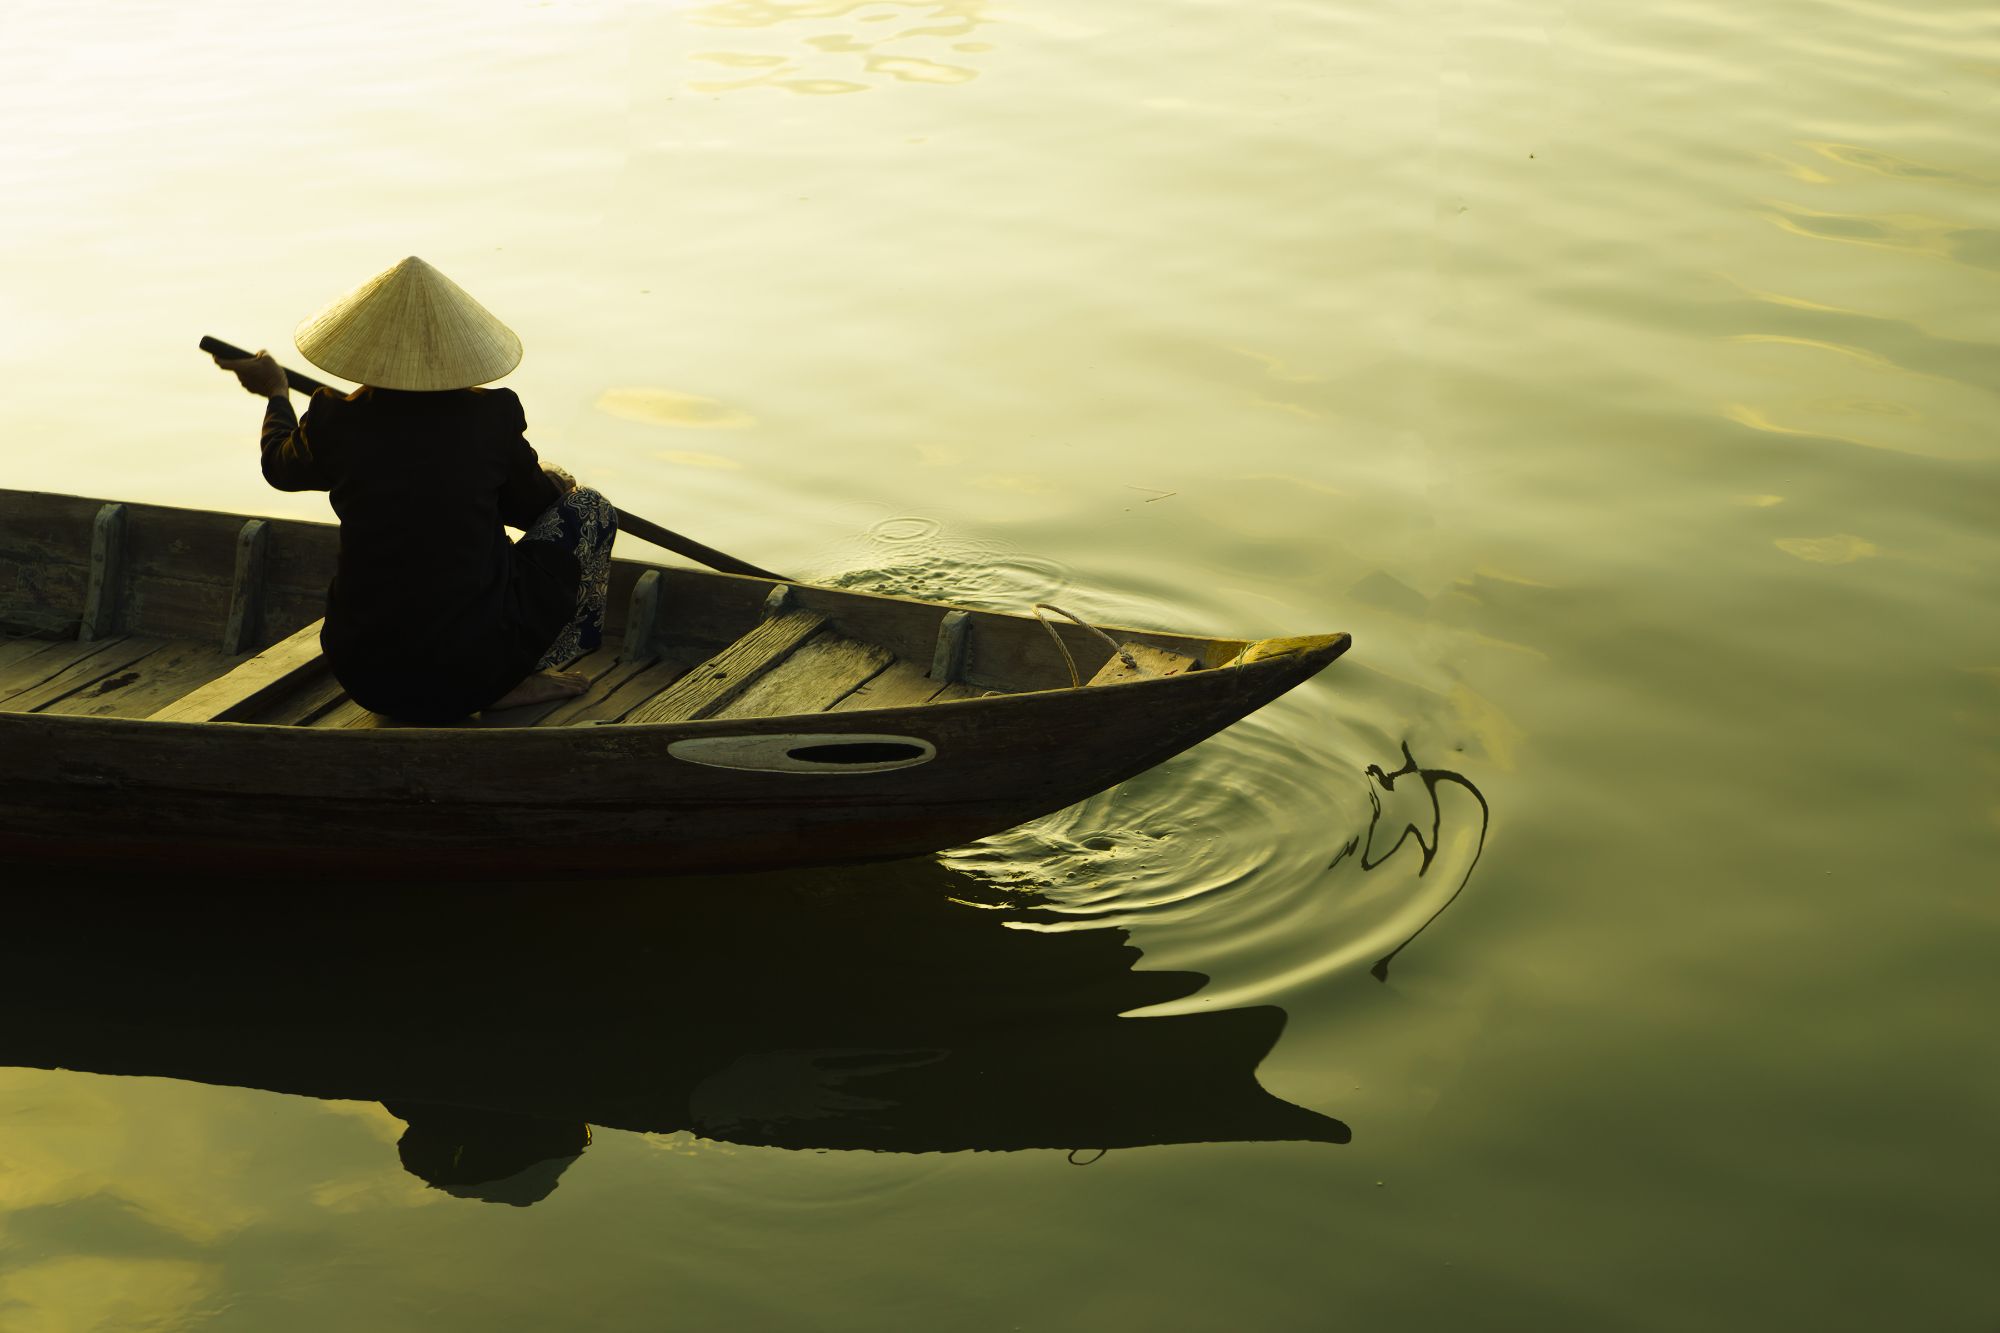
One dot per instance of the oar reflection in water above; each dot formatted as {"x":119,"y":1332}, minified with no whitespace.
{"x":896,"y":1008}
{"x":1428,"y":780}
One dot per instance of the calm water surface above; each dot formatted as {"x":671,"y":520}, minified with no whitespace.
{"x":1621,"y":378}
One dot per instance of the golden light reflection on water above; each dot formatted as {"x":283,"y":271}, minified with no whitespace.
{"x":902,"y":43}
{"x":1798,"y":171}
{"x":670,"y":407}
{"x":1883,"y":163}
{"x":1862,"y":354}
{"x":70,"y":1146}
{"x":1840,"y":549}
{"x":1788,"y":300}
{"x":1906,"y":233}
{"x":104,"y":1226}
{"x":95,"y":1294}
{"x":374,"y":1193}
{"x":1920,"y":443}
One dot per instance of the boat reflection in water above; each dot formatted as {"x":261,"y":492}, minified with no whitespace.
{"x":902,"y":1008}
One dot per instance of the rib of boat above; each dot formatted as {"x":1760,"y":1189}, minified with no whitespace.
{"x":164,"y":702}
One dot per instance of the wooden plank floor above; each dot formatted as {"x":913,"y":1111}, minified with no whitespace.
{"x":799,"y":667}
{"x":123,"y":676}
{"x":13,"y":650}
{"x":790,"y":664}
{"x":818,"y":674}
{"x":723,"y":677}
{"x":302,"y":705}
{"x":170,"y":671}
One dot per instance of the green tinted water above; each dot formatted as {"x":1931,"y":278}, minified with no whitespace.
{"x":1621,"y":380}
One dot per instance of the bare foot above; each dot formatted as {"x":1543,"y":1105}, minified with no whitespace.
{"x":543,"y":687}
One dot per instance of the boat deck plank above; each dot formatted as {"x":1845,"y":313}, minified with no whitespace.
{"x":598,"y":665}
{"x":344,"y":712}
{"x":13,"y":650}
{"x":1148,"y":663}
{"x":818,"y":674}
{"x":902,"y":684}
{"x":31,"y":669}
{"x":716,"y":682}
{"x":305,"y":700}
{"x":351,"y":714}
{"x":626,"y":688}
{"x":48,"y":677}
{"x":617,"y":685}
{"x":173,"y":669}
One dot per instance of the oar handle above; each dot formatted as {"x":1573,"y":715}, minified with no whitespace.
{"x":304,"y":384}
{"x":647,"y":530}
{"x":644,"y":529}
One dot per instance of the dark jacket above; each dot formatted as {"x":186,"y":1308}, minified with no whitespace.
{"x":433,"y":613}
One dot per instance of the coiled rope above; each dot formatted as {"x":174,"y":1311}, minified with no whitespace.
{"x":1076,"y":681}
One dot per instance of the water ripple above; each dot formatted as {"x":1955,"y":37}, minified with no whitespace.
{"x":1263,"y":861}
{"x":847,"y":53}
{"x":914,"y":556}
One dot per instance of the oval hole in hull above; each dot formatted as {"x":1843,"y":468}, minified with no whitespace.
{"x":795,"y":752}
{"x":849,"y":753}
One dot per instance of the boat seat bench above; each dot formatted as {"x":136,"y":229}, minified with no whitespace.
{"x":282,"y":667}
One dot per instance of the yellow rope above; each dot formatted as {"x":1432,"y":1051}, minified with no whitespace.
{"x":1076,"y":681}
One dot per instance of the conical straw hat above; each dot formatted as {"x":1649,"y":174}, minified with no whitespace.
{"x":409,"y":327}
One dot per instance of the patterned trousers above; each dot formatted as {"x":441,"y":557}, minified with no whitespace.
{"x":583,"y":523}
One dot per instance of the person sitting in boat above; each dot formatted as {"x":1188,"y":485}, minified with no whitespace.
{"x":433,"y":614}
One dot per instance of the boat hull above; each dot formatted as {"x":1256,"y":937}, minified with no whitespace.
{"x":425,"y":803}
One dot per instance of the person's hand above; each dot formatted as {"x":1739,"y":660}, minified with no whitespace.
{"x":260,"y":374}
{"x":564,"y":482}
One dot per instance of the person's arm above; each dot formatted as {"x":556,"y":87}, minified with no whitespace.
{"x":527,"y":490}
{"x":289,"y":461}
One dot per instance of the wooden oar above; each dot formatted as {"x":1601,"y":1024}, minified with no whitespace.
{"x":639,"y":527}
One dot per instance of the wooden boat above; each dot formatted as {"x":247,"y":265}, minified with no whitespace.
{"x":163,"y":702}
